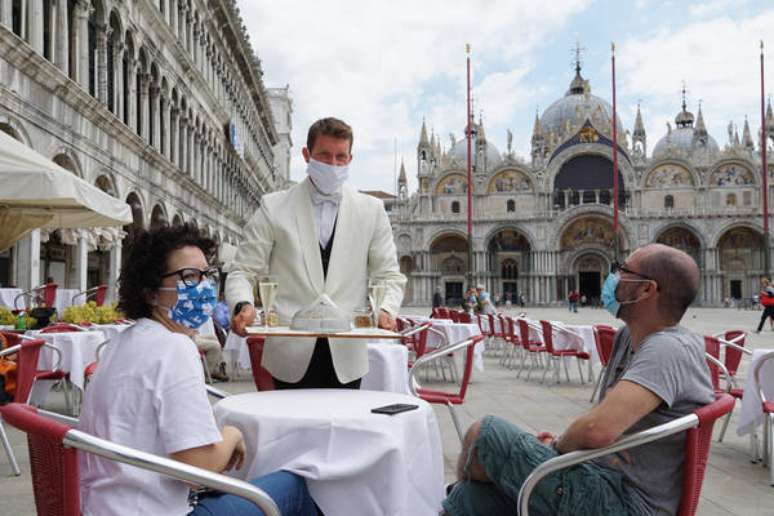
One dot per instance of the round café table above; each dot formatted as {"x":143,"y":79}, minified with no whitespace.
{"x":354,"y":461}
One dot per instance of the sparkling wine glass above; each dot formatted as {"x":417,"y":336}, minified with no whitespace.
{"x":377,"y":290}
{"x":267,"y":289}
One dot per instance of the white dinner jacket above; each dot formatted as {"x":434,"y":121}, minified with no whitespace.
{"x":281,"y":239}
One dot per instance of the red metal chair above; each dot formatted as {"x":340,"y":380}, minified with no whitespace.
{"x":603,"y":340}
{"x":532,"y":348}
{"x":732,"y":342}
{"x":558,"y":355}
{"x":698,"y":427}
{"x":464,"y":317}
{"x":496,"y":332}
{"x":53,"y":447}
{"x":61,"y":327}
{"x":513,"y":341}
{"x":414,"y":337}
{"x":435,"y":313}
{"x":98,"y":293}
{"x":43,"y":295}
{"x":261,"y":376}
{"x":768,"y":416}
{"x":454,"y":315}
{"x":27,"y":353}
{"x":446,"y":398}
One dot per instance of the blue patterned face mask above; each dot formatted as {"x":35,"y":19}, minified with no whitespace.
{"x":194,"y":304}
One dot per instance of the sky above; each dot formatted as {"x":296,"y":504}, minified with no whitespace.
{"x":384,"y":66}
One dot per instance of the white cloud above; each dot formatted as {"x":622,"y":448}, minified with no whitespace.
{"x":381,"y":66}
{"x":718,"y":59}
{"x":713,"y":8}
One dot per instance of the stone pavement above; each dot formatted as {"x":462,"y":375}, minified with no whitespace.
{"x":732,"y":484}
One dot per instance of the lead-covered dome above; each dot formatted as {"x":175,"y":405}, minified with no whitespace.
{"x":577,"y":106}
{"x":687,"y":140}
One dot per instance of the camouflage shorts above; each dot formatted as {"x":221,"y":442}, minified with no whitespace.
{"x":509,"y":455}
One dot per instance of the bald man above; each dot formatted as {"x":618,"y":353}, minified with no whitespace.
{"x":657,"y":373}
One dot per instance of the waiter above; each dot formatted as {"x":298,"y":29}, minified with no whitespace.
{"x":318,"y":237}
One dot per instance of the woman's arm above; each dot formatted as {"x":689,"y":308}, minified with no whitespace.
{"x":218,"y":457}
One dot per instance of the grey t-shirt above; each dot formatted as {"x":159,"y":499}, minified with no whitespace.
{"x":671,"y":364}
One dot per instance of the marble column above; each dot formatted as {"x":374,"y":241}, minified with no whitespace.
{"x":118,"y":78}
{"x":62,"y":42}
{"x":114,"y":271}
{"x":155,"y":109}
{"x":5,"y":13}
{"x":166,"y":113}
{"x":131,"y":106}
{"x":174,"y":144}
{"x":181,"y":136}
{"x":103,"y":33}
{"x":81,"y":263}
{"x":35,"y":20}
{"x":28,"y":261}
{"x":82,"y":9}
{"x":173,"y":8}
{"x":145,"y":107}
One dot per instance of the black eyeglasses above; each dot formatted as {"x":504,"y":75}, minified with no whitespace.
{"x":615,"y":267}
{"x":192,"y":277}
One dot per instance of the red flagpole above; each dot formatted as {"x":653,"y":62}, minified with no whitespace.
{"x":615,"y":156}
{"x":470,"y":176}
{"x":764,"y":171}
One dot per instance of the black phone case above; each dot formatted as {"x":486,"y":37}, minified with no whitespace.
{"x":395,"y":408}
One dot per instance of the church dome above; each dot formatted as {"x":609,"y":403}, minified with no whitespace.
{"x":578,"y":105}
{"x":459,"y":153}
{"x":686,"y":140}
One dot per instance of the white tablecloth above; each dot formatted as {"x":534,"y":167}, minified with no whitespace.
{"x":456,"y":332}
{"x":7,"y":295}
{"x":354,"y":462}
{"x":109,"y":330}
{"x":64,"y":298}
{"x":387,"y":368}
{"x":752,"y":412}
{"x":387,"y":363}
{"x":564,"y":340}
{"x":78,"y":350}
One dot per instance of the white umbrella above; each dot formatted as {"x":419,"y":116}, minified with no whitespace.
{"x":35,"y":192}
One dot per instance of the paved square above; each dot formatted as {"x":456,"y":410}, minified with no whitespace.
{"x":732,"y":485}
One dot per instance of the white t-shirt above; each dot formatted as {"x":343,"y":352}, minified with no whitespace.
{"x":148,"y":393}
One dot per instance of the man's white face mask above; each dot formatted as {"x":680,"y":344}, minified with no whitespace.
{"x":327,"y":178}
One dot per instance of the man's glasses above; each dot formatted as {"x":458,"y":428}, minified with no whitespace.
{"x":615,"y":267}
{"x":192,"y":277}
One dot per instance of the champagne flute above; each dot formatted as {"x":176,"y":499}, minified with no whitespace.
{"x":267,"y":289}
{"x":377,"y":290}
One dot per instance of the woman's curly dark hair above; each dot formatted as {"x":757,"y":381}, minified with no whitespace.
{"x":146,"y":262}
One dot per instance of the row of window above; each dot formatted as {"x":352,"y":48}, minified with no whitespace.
{"x":130,"y":84}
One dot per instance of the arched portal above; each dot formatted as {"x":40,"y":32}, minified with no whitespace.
{"x":586,"y":179}
{"x":508,"y":255}
{"x":741,"y":261}
{"x":406,"y":268}
{"x":683,"y":239}
{"x":449,"y":257}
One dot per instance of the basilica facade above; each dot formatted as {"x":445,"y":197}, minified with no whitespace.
{"x":159,"y":103}
{"x":543,"y":225}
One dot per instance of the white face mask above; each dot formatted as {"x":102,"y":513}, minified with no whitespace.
{"x":327,"y":178}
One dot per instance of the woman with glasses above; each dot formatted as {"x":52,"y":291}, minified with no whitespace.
{"x":149,"y":392}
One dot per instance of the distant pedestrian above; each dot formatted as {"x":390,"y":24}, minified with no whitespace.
{"x":767,"y":300}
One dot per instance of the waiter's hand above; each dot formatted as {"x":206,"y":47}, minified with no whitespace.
{"x":386,"y":321}
{"x":245,"y":318}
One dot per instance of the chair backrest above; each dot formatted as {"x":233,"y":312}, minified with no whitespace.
{"x":61,"y":328}
{"x":454,"y":315}
{"x":697,"y":447}
{"x":492,"y":325}
{"x":444,"y":312}
{"x":468,"y":371}
{"x":26,"y":363}
{"x":261,"y":376}
{"x":435,"y":313}
{"x":48,"y":294}
{"x":54,"y":467}
{"x":464,"y":317}
{"x":712,"y":347}
{"x":548,"y":335}
{"x":524,"y":333}
{"x":603,"y":339}
{"x":100,"y":295}
{"x":733,"y":356}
